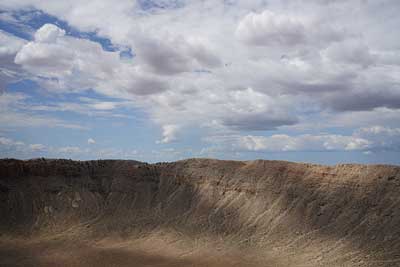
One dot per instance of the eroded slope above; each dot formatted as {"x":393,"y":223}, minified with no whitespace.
{"x":345,"y":215}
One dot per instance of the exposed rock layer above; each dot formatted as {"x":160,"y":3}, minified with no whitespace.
{"x":345,"y":215}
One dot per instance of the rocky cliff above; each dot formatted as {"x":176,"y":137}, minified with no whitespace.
{"x":343,"y":215}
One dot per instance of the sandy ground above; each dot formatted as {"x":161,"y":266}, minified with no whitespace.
{"x":50,"y":252}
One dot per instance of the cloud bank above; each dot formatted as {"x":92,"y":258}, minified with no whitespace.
{"x":265,"y":75}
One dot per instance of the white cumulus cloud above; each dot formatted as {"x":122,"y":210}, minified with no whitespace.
{"x":169,"y":133}
{"x":269,"y":28}
{"x":91,"y":141}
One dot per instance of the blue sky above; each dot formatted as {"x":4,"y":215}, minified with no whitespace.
{"x":162,"y":80}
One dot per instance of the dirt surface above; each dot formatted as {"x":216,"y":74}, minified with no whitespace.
{"x":198,"y":212}
{"x":138,"y":253}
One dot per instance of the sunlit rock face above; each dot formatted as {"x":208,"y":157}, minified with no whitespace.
{"x":287,"y":214}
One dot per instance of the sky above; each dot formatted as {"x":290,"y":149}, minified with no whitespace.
{"x":162,"y":80}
